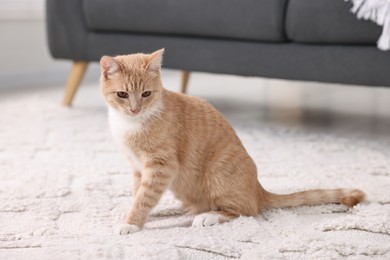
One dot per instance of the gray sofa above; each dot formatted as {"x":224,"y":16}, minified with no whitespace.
{"x":312,"y":40}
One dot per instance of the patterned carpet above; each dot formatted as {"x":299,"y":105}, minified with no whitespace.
{"x":64,"y":185}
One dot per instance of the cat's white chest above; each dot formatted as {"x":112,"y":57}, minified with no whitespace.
{"x":123,"y":127}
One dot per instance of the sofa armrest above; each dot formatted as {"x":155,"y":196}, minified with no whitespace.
{"x":66,"y":29}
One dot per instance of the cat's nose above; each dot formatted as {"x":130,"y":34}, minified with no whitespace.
{"x":135,"y":110}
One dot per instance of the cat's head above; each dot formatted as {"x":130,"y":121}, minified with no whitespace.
{"x":131,"y":84}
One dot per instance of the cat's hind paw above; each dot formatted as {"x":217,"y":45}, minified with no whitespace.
{"x":125,"y":229}
{"x":205,"y":219}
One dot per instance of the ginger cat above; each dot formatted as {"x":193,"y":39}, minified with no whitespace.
{"x":182,"y":143}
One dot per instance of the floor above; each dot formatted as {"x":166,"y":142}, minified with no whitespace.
{"x":65,"y":185}
{"x":341,"y":109}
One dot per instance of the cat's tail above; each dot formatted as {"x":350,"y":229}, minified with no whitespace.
{"x":349,"y":197}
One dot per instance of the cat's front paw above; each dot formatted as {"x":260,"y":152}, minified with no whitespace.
{"x":125,"y":229}
{"x":205,"y":219}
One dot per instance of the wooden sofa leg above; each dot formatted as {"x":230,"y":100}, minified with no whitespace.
{"x":184,"y":80}
{"x":74,"y":79}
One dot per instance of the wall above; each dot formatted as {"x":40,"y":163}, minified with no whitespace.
{"x":25,"y":59}
{"x":21,"y":9}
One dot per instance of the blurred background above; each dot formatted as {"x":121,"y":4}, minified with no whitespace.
{"x":27,"y":67}
{"x":24,"y":47}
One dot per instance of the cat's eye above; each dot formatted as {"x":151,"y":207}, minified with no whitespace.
{"x":146,"y":93}
{"x":122,"y":94}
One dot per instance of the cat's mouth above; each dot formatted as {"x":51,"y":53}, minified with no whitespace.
{"x":134,"y":114}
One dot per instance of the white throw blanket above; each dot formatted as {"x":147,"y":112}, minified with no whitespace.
{"x":377,"y":11}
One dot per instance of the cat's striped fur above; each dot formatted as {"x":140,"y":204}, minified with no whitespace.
{"x":182,"y":143}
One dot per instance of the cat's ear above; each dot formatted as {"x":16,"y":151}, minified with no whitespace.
{"x":155,"y":60}
{"x":108,"y":66}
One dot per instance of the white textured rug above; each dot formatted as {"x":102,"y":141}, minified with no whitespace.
{"x":63,"y":185}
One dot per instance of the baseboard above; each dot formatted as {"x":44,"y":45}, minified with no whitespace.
{"x":48,"y":78}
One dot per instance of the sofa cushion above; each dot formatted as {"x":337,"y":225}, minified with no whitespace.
{"x":327,"y":21}
{"x":238,"y":19}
